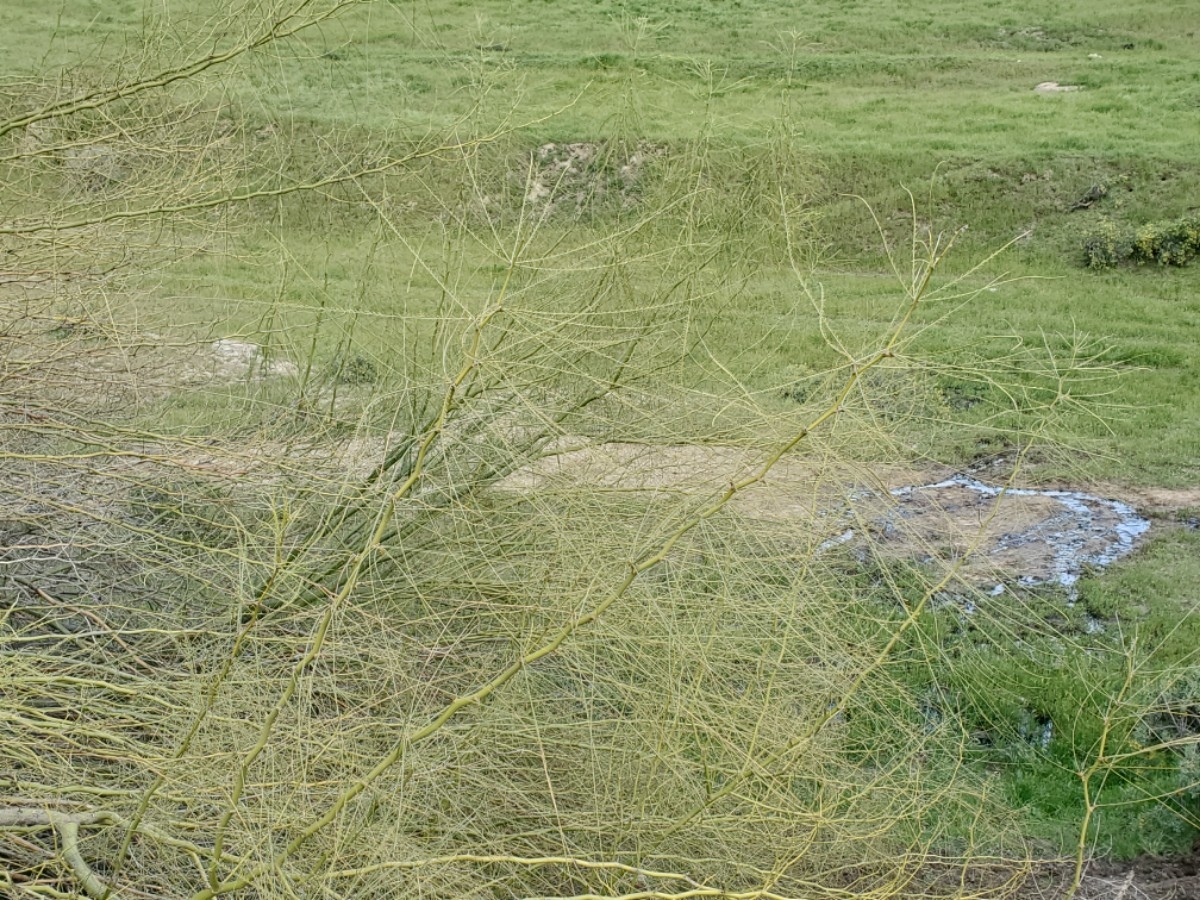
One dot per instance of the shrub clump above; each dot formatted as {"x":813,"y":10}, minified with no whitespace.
{"x":1172,"y":243}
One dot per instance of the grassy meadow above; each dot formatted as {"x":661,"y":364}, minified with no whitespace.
{"x":473,"y":233}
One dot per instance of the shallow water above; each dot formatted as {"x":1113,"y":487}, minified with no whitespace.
{"x":1030,"y":541}
{"x":1087,"y":538}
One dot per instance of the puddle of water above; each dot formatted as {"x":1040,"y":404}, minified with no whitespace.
{"x":1056,"y":540}
{"x":1036,"y":729}
{"x":843,"y":538}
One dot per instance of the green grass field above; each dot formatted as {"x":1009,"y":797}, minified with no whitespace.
{"x":871,"y":101}
{"x":743,"y":170}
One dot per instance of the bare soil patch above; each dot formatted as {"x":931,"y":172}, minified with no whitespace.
{"x":578,"y":175}
{"x":1053,"y":87}
{"x":1162,"y":501}
{"x":995,"y":535}
{"x":231,"y":359}
{"x":1147,"y":878}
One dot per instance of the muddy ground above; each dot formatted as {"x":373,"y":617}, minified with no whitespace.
{"x":1148,"y":878}
{"x":992,"y":534}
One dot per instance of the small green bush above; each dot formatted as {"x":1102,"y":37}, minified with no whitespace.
{"x":1173,"y":243}
{"x":1168,"y":243}
{"x":1105,"y":246}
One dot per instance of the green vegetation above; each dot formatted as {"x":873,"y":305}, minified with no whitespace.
{"x":1166,"y":243}
{"x":302,"y":303}
{"x":1034,"y":684}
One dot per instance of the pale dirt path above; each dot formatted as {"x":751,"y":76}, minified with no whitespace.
{"x":925,"y":514}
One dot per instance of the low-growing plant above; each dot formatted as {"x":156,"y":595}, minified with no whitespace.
{"x":1174,"y":243}
{"x":1169,"y":243}
{"x":1106,"y":245}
